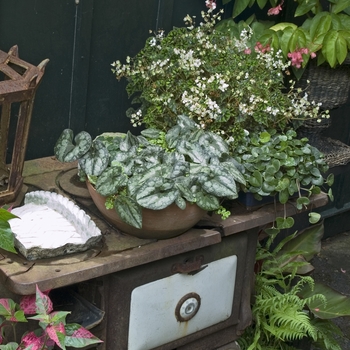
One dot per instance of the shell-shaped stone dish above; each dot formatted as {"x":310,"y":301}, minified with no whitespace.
{"x":50,"y":225}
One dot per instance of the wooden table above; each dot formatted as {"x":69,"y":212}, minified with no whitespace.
{"x":119,"y":256}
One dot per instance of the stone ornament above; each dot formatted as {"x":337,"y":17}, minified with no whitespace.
{"x":50,"y":225}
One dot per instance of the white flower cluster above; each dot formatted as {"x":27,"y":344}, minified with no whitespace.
{"x":186,"y":60}
{"x":136,"y":118}
{"x":219,"y":82}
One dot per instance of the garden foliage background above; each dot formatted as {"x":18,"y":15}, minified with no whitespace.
{"x":82,"y":38}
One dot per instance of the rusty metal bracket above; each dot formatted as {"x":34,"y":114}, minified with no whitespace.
{"x":190,"y":266}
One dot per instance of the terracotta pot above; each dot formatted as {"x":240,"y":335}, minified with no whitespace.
{"x":158,"y":224}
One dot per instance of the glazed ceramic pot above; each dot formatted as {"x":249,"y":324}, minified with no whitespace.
{"x":157,"y":224}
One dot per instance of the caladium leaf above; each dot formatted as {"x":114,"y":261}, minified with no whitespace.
{"x":213,"y":144}
{"x":157,"y":194}
{"x":185,"y":191}
{"x":181,"y":203}
{"x":129,"y":141}
{"x":172,"y":136}
{"x":96,"y":160}
{"x":207,"y":201}
{"x":218,"y":183}
{"x":111,"y":180}
{"x":233,"y":172}
{"x":186,"y":123}
{"x":128,"y":210}
{"x":151,"y":133}
{"x":195,"y":152}
{"x":66,"y":151}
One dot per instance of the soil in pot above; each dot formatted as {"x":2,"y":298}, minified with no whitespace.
{"x":156,"y":224}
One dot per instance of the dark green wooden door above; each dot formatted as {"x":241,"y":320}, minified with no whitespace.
{"x":82,"y":38}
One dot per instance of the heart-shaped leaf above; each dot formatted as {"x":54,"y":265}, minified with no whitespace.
{"x":66,"y":151}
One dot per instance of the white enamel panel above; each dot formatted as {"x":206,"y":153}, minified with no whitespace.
{"x":152,"y":310}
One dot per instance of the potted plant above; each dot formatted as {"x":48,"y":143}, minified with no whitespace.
{"x":282,"y":166}
{"x":53,"y":330}
{"x":185,"y":167}
{"x":202,"y":72}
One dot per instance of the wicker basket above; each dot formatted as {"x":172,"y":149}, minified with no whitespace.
{"x":329,"y":86}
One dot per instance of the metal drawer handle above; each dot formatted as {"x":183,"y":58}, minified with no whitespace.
{"x":190,"y":266}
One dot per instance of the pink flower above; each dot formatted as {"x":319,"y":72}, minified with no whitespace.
{"x":275,"y":10}
{"x":260,"y":48}
{"x":247,"y":51}
{"x":296,"y":57}
{"x":211,"y":4}
{"x":312,"y":55}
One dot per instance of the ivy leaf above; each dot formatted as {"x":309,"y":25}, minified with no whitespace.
{"x":284,"y":223}
{"x":302,"y":201}
{"x":314,"y":217}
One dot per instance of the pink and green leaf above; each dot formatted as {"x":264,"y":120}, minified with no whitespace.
{"x":57,"y":334}
{"x":43,"y":303}
{"x":77,"y":336}
{"x":10,"y":310}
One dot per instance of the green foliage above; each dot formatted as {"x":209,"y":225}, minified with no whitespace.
{"x":281,"y":165}
{"x":205,"y":74}
{"x":322,"y":27}
{"x":156,"y":169}
{"x":6,"y":234}
{"x":53,"y":328}
{"x":288,"y":305}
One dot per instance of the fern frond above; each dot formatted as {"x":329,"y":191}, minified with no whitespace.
{"x":291,"y":325}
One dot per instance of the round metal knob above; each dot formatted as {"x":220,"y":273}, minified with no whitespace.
{"x":187,"y":307}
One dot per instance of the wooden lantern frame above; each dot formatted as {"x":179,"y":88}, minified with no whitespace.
{"x":21,"y":80}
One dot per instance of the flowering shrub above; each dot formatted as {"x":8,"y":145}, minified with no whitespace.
{"x":54,"y":329}
{"x":214,"y":79}
{"x":318,"y":28}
